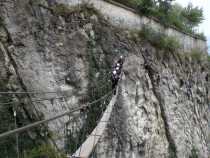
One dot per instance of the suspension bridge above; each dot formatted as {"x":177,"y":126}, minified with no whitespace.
{"x":88,"y":146}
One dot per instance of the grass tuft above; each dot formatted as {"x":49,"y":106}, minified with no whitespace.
{"x":44,"y":151}
{"x":159,"y":40}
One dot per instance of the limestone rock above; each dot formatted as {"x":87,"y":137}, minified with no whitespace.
{"x":162,"y":105}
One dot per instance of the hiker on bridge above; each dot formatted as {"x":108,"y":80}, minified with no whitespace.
{"x":118,"y":63}
{"x":114,"y":79}
{"x":115,"y":65}
{"x":116,"y":72}
{"x":121,"y":61}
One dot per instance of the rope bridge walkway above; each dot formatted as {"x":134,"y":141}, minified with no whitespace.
{"x":87,"y":147}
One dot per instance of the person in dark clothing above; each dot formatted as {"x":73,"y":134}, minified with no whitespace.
{"x":188,"y":87}
{"x":117,"y":68}
{"x":118,"y":65}
{"x":83,"y":109}
{"x":121,"y":61}
{"x":115,"y":79}
{"x":115,"y":65}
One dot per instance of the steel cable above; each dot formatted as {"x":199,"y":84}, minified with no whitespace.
{"x":41,"y":99}
{"x":27,"y":127}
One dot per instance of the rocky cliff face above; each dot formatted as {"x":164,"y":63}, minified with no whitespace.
{"x":162,"y":108}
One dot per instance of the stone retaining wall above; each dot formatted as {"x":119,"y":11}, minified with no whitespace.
{"x":127,"y":18}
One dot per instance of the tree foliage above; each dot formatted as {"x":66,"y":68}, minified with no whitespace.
{"x":170,"y":14}
{"x":193,"y":15}
{"x":174,"y":16}
{"x":145,"y":6}
{"x":165,"y":5}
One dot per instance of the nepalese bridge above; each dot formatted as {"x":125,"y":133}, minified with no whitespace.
{"x":86,"y":147}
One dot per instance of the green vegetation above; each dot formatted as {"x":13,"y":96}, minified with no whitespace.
{"x":62,"y":9}
{"x":209,"y":62}
{"x":194,"y":153}
{"x":196,"y":55}
{"x":129,"y":3}
{"x":7,"y":122}
{"x":172,"y":150}
{"x":145,"y":6}
{"x":172,"y":154}
{"x":98,"y":75}
{"x":7,"y":145}
{"x":193,"y":16}
{"x":1,"y":21}
{"x":65,"y":10}
{"x":44,"y":151}
{"x":159,"y":40}
{"x":170,"y":15}
{"x":97,"y":88}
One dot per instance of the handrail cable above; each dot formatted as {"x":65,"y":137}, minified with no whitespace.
{"x":42,"y":99}
{"x":86,"y":148}
{"x":34,"y":92}
{"x":36,"y":100}
{"x":37,"y":92}
{"x":24,"y":128}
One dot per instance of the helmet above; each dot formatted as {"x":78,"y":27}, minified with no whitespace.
{"x":114,"y":72}
{"x":121,"y":57}
{"x":118,"y":64}
{"x":117,"y":68}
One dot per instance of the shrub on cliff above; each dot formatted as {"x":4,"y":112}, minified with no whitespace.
{"x":1,"y":21}
{"x":169,"y":14}
{"x":7,"y":145}
{"x":159,"y":40}
{"x":146,"y":6}
{"x":196,"y":55}
{"x":209,"y":62}
{"x":45,"y":151}
{"x":194,"y":153}
{"x":129,"y":3}
{"x":62,"y":9}
{"x":171,"y":43}
{"x":65,"y":10}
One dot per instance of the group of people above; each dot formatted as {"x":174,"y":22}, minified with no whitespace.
{"x":116,"y":72}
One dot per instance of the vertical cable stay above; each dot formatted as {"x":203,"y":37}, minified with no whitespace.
{"x":89,"y":144}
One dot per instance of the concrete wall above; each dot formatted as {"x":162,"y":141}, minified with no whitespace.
{"x":126,"y":18}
